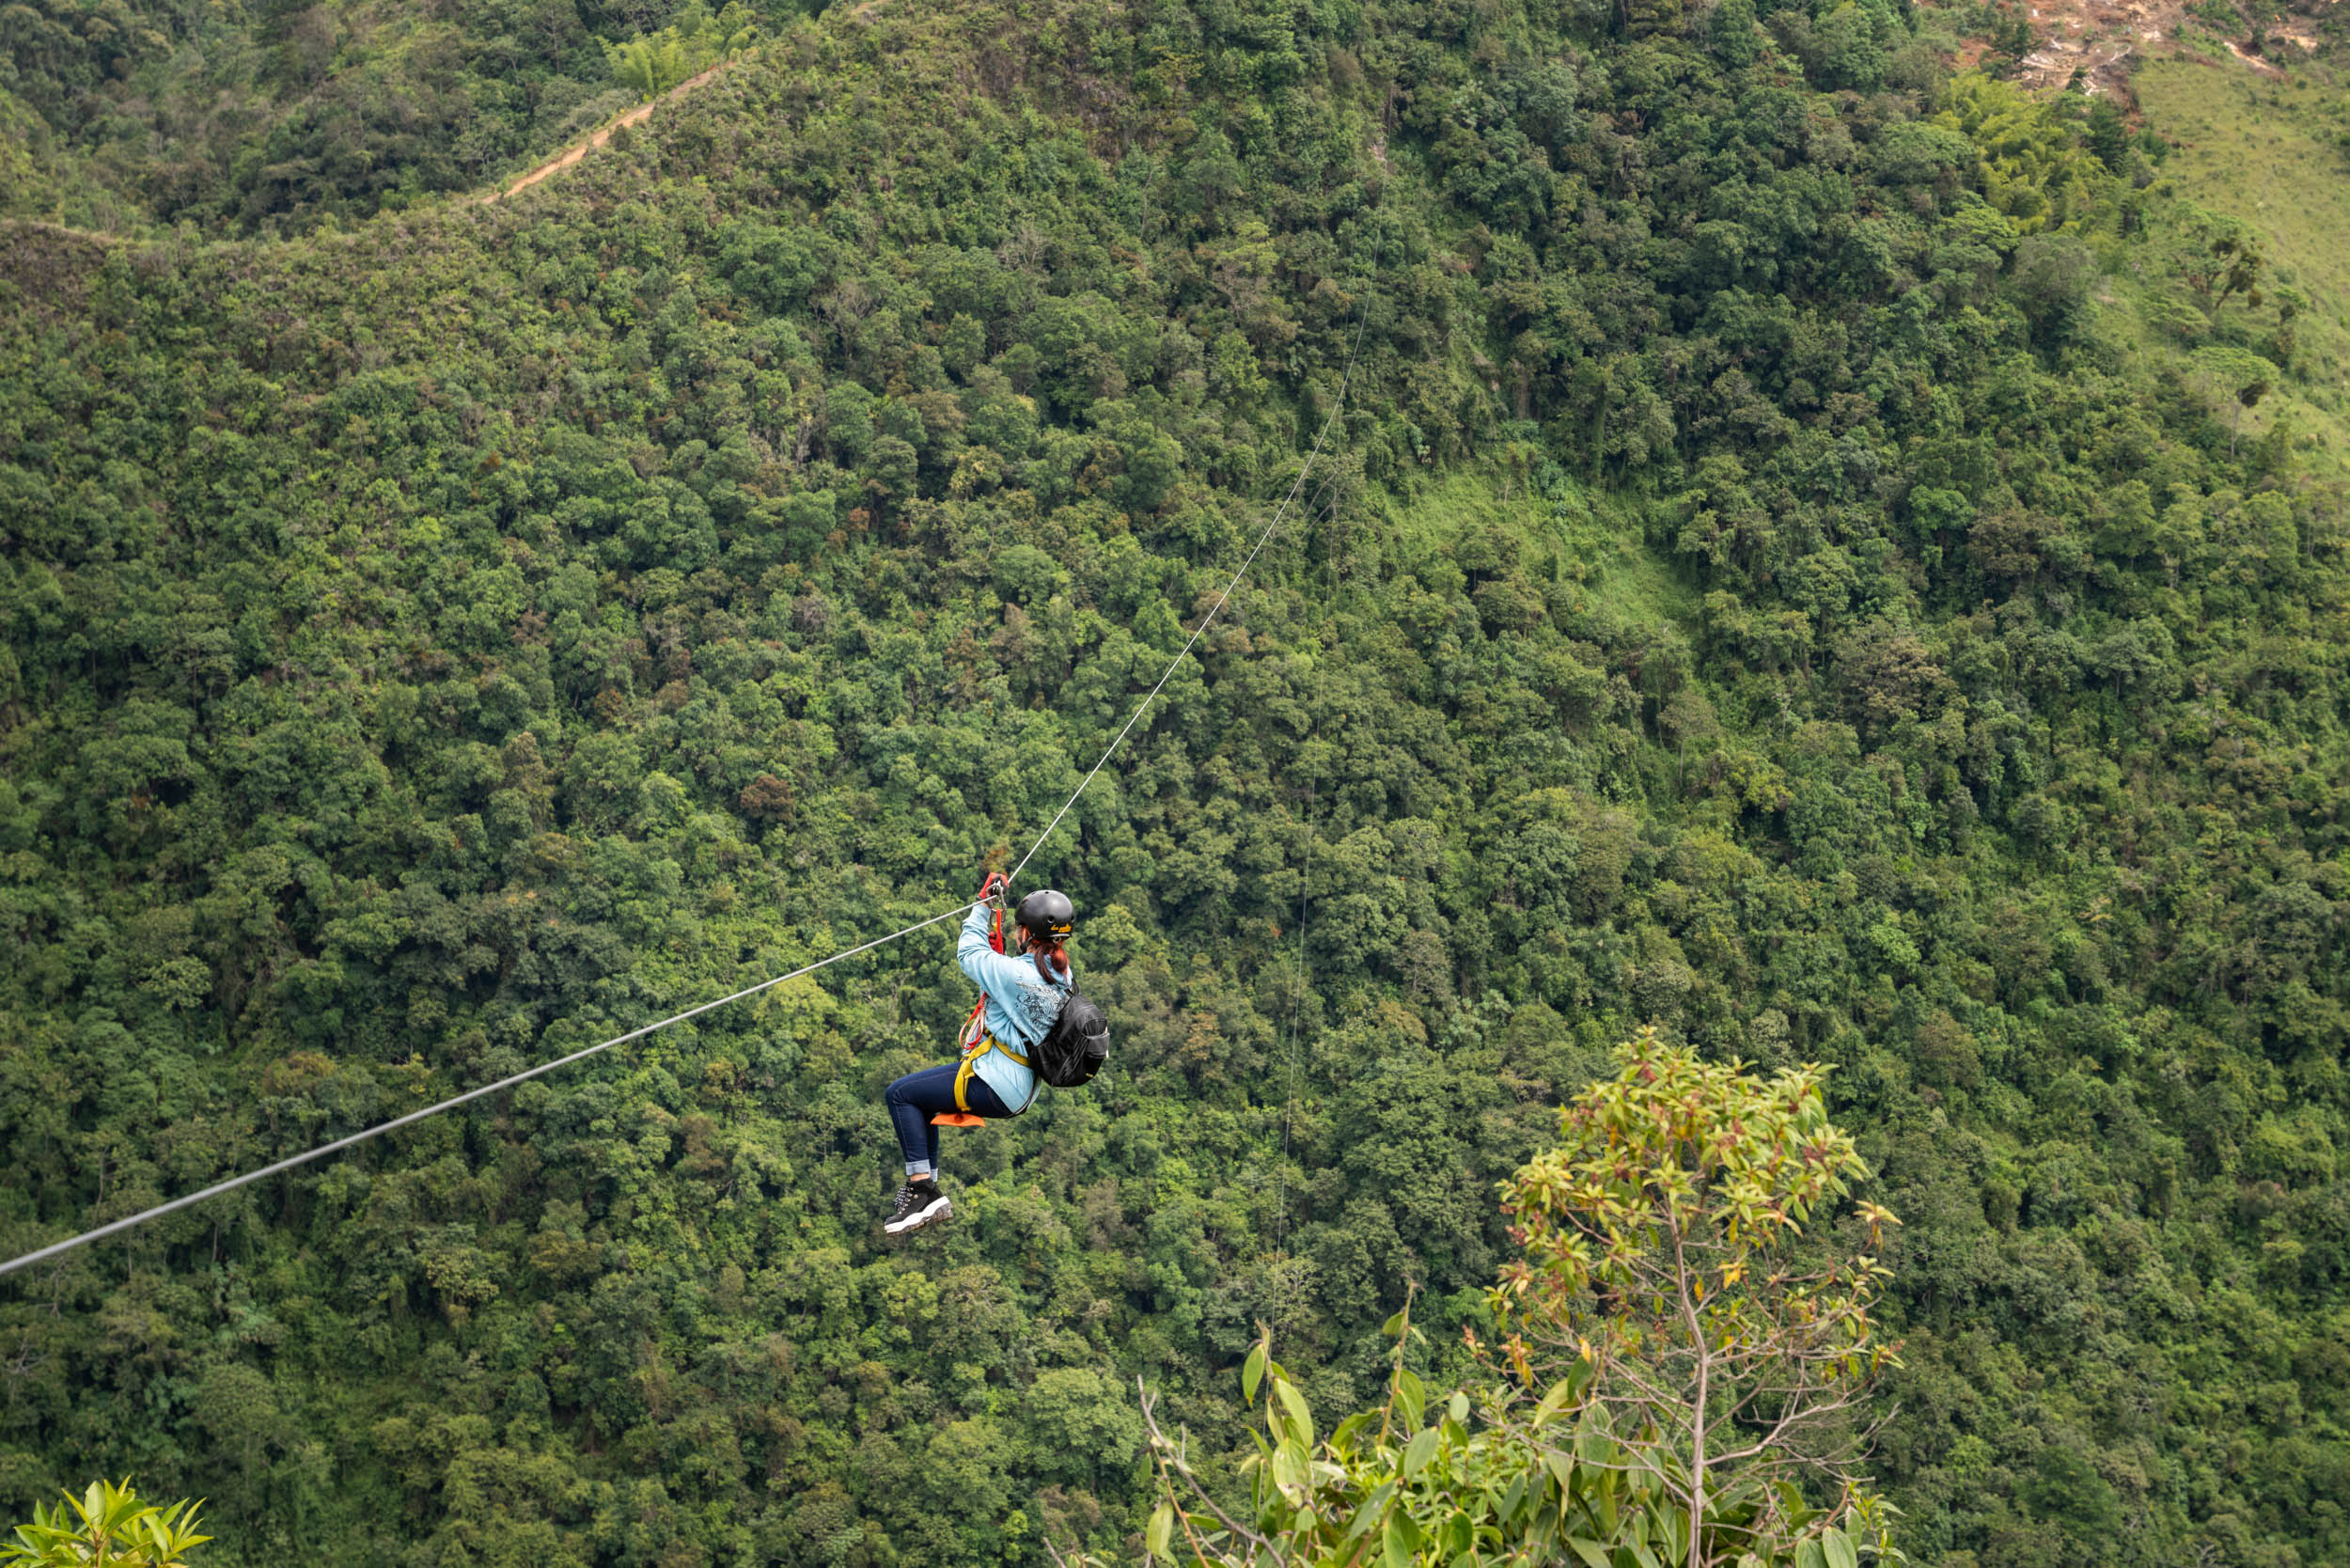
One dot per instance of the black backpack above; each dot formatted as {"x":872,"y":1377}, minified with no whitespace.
{"x":1075,"y":1048}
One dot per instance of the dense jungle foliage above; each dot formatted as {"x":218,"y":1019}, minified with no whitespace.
{"x":1807,"y":562}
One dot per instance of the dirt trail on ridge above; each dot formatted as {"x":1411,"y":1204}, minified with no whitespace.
{"x":573,"y":154}
{"x":637,"y":115}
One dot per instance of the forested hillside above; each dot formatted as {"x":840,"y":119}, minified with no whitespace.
{"x":1807,"y":560}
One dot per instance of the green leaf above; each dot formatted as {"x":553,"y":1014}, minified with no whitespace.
{"x":1590,"y":1551}
{"x":1458,"y":1408}
{"x":1396,"y":1550}
{"x":1393,"y":1327}
{"x":1838,"y":1547}
{"x":1160,"y":1531}
{"x":1416,"y":1454}
{"x":1412,"y":1394}
{"x":1808,"y":1555}
{"x":1252,"y":1373}
{"x":1301,"y":1417}
{"x":1403,"y":1536}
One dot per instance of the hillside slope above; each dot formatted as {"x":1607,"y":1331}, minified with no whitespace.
{"x":1762,"y":590}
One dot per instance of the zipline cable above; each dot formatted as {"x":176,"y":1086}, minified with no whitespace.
{"x":324,"y":1150}
{"x":1305,"y":975}
{"x":128,"y":1222}
{"x":1305,"y":964}
{"x":1336,"y":407}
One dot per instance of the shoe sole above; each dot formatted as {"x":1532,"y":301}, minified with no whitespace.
{"x":928,"y":1214}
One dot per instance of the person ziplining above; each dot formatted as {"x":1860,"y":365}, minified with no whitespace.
{"x":1029,"y":1025}
{"x":1070,"y":1049}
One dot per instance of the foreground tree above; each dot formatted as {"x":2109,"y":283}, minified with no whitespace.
{"x":1665,"y":1249}
{"x":1680,"y":1375}
{"x":107,"y":1528}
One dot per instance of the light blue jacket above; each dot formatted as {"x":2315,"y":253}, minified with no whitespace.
{"x":1021,"y":1007}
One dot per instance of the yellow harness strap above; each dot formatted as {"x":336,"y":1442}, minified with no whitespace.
{"x":970,"y":1060}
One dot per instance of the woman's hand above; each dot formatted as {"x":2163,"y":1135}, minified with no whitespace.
{"x":996,"y":881}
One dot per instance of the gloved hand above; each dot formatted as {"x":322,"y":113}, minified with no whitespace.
{"x":996,"y":880}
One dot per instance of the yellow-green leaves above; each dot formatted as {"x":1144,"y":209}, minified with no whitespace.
{"x":1666,"y":1266}
{"x":1563,"y":1393}
{"x":2035,"y":170}
{"x":110,"y":1529}
{"x":1549,"y":1482}
{"x":653,"y":63}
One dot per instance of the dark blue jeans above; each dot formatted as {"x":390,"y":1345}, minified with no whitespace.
{"x":914,"y":1099}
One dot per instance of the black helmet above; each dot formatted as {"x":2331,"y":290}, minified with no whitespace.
{"x":1046,"y":916}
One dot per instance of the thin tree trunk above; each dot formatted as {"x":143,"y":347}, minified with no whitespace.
{"x":1697,"y":1425}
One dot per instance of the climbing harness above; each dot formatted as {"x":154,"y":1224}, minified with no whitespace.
{"x":279,"y":1167}
{"x":970,"y":1064}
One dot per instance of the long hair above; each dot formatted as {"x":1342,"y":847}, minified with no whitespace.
{"x":1042,"y":947}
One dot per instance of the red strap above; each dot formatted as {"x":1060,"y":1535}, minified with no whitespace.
{"x":970,"y":1028}
{"x":971,"y":1025}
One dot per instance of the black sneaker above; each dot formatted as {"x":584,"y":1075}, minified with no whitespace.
{"x":919,"y":1203}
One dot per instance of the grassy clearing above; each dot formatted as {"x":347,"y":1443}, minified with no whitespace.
{"x":2270,"y":154}
{"x":1594,"y":538}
